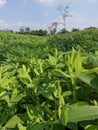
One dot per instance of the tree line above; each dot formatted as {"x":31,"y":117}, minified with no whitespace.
{"x":27,"y":30}
{"x":41,"y":32}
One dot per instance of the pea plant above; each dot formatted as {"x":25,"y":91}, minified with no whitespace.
{"x":44,"y":88}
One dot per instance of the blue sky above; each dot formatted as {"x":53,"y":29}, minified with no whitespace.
{"x":38,"y":14}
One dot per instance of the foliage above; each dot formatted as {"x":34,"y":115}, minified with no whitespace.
{"x":62,"y":31}
{"x":75,"y":29}
{"x":46,"y":87}
{"x":88,"y":40}
{"x":27,"y":30}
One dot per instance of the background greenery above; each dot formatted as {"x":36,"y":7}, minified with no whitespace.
{"x":49,"y":82}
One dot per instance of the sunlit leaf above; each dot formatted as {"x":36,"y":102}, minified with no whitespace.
{"x":12,"y":122}
{"x":89,"y":79}
{"x":82,"y":113}
{"x":63,"y":115}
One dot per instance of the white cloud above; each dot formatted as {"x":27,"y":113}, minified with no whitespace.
{"x":47,"y":2}
{"x":6,"y":25}
{"x":3,"y":23}
{"x":56,"y":2}
{"x":2,"y":2}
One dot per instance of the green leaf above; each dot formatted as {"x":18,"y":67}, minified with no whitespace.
{"x":58,"y":127}
{"x":3,"y":94}
{"x":89,"y":79}
{"x":48,"y":110}
{"x":12,"y":122}
{"x":72,"y":126}
{"x":63,"y":115}
{"x":30,"y":111}
{"x":91,"y":127}
{"x":61,"y":100}
{"x":21,"y":127}
{"x":78,"y":63}
{"x":16,"y":96}
{"x":24,"y":68}
{"x":52,"y":60}
{"x":90,"y":71}
{"x":37,"y":126}
{"x":79,"y":103}
{"x":67,"y":93}
{"x":60,"y":73}
{"x":36,"y":71}
{"x":82,"y":113}
{"x":24,"y":73}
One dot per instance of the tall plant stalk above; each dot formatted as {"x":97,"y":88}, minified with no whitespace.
{"x":73,"y":80}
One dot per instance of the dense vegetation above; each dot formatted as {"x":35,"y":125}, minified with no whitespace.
{"x":49,"y":83}
{"x":27,"y":30}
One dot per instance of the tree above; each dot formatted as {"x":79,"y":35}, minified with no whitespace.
{"x":62,"y":31}
{"x":42,"y":32}
{"x":75,"y":29}
{"x":53,"y":28}
{"x":90,"y":28}
{"x":39,"y":32}
{"x":54,"y":25}
{"x":64,"y":12}
{"x":27,"y":30}
{"x":21,"y":30}
{"x":49,"y":29}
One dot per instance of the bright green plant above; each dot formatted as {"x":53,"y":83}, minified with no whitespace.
{"x":46,"y":88}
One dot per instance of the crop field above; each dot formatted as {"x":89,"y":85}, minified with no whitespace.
{"x":49,"y":82}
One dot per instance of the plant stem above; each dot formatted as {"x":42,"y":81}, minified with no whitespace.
{"x":74,"y":89}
